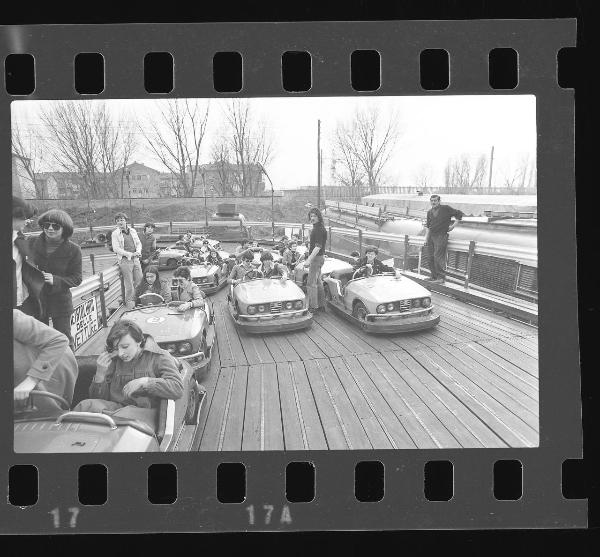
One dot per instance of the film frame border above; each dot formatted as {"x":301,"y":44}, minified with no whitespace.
{"x":404,"y":505}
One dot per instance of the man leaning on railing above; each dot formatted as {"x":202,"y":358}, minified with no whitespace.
{"x":439,"y":223}
{"x":126,"y":244}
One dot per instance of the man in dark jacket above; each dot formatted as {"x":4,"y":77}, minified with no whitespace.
{"x":28,"y":281}
{"x":439,"y":223}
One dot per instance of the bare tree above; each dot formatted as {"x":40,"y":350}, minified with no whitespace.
{"x":251,"y":146}
{"x":85,"y":138}
{"x":221,"y":160}
{"x":376,"y":139}
{"x":423,"y":178}
{"x":29,"y":151}
{"x":461,"y":173}
{"x":176,"y":140}
{"x":347,"y":169}
{"x":521,"y":176}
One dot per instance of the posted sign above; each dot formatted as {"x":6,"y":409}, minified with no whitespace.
{"x":84,"y":321}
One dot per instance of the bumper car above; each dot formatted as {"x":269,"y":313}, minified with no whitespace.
{"x":268,"y":305}
{"x":381,"y":303}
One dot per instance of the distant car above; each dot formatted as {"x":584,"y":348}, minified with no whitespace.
{"x":136,"y":430}
{"x":260,"y":305}
{"x":188,"y":335}
{"x":384,"y":303}
{"x":210,"y":278}
{"x":171,"y":256}
{"x":300,"y":272}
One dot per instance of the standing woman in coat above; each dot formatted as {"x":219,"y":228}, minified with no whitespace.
{"x":60,"y":261}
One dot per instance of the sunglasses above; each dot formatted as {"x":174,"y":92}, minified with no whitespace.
{"x":53,"y":225}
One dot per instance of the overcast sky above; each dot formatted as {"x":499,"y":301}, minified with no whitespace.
{"x":432,"y":130}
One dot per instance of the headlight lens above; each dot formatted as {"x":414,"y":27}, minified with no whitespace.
{"x":185,"y":347}
{"x":251,"y":310}
{"x":171,"y":348}
{"x":426,"y":302}
{"x":261,"y":309}
{"x":390,"y":307}
{"x":381,"y":308}
{"x":298,"y":304}
{"x":416,"y":303}
{"x":289,"y":305}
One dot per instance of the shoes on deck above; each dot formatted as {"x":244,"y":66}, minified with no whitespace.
{"x":437,"y":281}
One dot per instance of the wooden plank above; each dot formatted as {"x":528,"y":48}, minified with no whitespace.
{"x":455,"y":402}
{"x":218,"y":413}
{"x":509,"y":354}
{"x":272,"y":409}
{"x":347,"y":334}
{"x":262,"y":420}
{"x":280,"y":348}
{"x":424,"y":429}
{"x":468,"y":431}
{"x":333,"y":427}
{"x":255,"y":349}
{"x":294,"y":431}
{"x":313,"y":427}
{"x":513,"y":400}
{"x":209,"y":384}
{"x":230,"y":348}
{"x":510,"y":428}
{"x":231,"y":436}
{"x":469,"y":311}
{"x":304,"y":346}
{"x":345,"y":412}
{"x":326,"y":342}
{"x":528,"y":351}
{"x":376,"y":434}
{"x":500,"y":375}
{"x":488,"y":361}
{"x":389,"y":421}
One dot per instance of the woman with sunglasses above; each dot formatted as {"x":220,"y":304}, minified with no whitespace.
{"x":59,"y":259}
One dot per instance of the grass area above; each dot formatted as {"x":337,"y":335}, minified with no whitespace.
{"x":100,"y":212}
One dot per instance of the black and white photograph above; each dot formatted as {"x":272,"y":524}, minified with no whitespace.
{"x":275,"y":274}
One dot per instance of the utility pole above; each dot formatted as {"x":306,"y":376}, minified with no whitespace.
{"x":318,"y":164}
{"x":491,"y":168}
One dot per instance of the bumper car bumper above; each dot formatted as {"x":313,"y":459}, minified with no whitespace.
{"x":273,"y":323}
{"x":402,"y":324}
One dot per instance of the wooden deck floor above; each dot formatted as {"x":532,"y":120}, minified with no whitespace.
{"x":470,"y":382}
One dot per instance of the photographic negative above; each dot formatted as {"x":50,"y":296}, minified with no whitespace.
{"x":165,"y":361}
{"x":377,"y":293}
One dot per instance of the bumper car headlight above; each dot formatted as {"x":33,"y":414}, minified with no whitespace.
{"x":390,"y":307}
{"x":185,"y":348}
{"x":416,"y":303}
{"x":261,"y":309}
{"x":171,"y":348}
{"x":426,"y":302}
{"x":381,"y":308}
{"x":298,"y":304}
{"x":289,"y":305}
{"x":251,"y":310}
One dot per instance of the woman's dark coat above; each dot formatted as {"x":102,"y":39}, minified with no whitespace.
{"x":65,"y":265}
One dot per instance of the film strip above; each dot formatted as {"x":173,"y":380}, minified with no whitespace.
{"x":393,"y":488}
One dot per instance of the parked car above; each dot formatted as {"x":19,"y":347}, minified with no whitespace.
{"x":188,"y":335}
{"x":300,"y":272}
{"x":383,"y":303}
{"x":259,"y":305}
{"x":136,"y":430}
